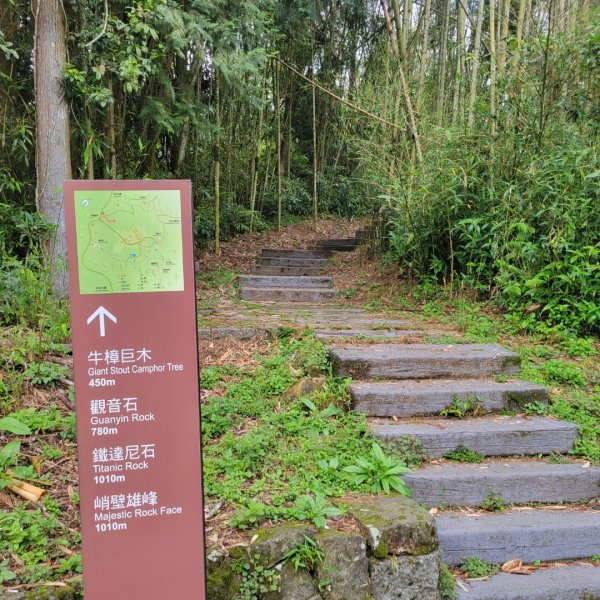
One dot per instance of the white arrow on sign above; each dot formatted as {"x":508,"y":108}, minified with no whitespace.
{"x":100,"y":313}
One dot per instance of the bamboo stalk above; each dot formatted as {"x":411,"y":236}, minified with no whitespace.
{"x":475,"y":66}
{"x":26,"y":490}
{"x":279,"y":174}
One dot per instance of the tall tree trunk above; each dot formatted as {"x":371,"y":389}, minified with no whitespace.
{"x":492,"y":76}
{"x":53,"y":152}
{"x":404,"y":84}
{"x":406,"y":19}
{"x":217,"y":161}
{"x":315,"y":165}
{"x":398,"y":25}
{"x":475,"y":66}
{"x":112,"y":135}
{"x":424,"y":55}
{"x":519,"y":34}
{"x":503,"y":41}
{"x":441,"y":86}
{"x":255,"y":163}
{"x":287,"y":134}
{"x":457,"y":102}
{"x":279,"y":170}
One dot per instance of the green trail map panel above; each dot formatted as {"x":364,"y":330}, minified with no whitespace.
{"x":129,"y":241}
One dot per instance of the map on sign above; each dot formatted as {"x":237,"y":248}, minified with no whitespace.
{"x":129,"y":241}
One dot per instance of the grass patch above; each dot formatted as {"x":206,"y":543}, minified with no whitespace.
{"x":274,"y":458}
{"x":474,"y":568}
{"x":463,"y":454}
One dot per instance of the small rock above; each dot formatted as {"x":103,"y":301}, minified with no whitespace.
{"x":395,"y":525}
{"x":43,"y":593}
{"x":406,"y":577}
{"x":221,"y":580}
{"x":293,"y":585}
{"x":273,"y":544}
{"x":302,"y":387}
{"x":344,"y":566}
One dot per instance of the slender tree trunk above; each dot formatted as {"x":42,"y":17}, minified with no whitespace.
{"x":457,"y":102}
{"x":112,"y":136}
{"x":528,"y":17}
{"x":217,"y":160}
{"x":519,"y":34}
{"x":424,"y":55}
{"x":404,"y":85}
{"x":406,"y":19}
{"x":255,"y":163}
{"x":398,"y":26}
{"x":542,"y":119}
{"x":53,"y":152}
{"x":441,"y":87}
{"x":503,"y":41}
{"x":492,"y":76}
{"x":314,"y":139}
{"x":475,"y":66}
{"x":279,"y":170}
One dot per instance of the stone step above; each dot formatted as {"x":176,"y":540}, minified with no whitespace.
{"x":335,"y":248}
{"x":397,"y":334}
{"x":289,"y":271}
{"x":529,"y":535}
{"x":516,"y":482}
{"x":343,"y":323}
{"x":284,"y":281}
{"x":274,"y":261}
{"x":567,"y":582}
{"x":423,"y":361}
{"x":362,"y":234}
{"x":294,"y":253}
{"x":272,"y":294}
{"x":429,"y":397}
{"x":491,"y":436}
{"x":350,"y":241}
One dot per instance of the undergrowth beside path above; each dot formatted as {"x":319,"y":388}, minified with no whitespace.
{"x":279,"y":441}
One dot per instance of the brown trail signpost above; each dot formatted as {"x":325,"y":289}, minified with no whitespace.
{"x":133,"y":317}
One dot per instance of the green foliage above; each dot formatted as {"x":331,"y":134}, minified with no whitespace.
{"x":380,"y":472}
{"x":212,"y":375}
{"x":274,"y":459}
{"x":525,"y":230}
{"x":36,"y":538}
{"x":27,"y":298}
{"x":462,"y":454}
{"x":583,"y":409}
{"x":13,"y":425}
{"x":234,"y":219}
{"x":475,"y":568}
{"x":447,"y":585}
{"x":535,"y":408}
{"x":306,"y":555}
{"x":460,"y":409}
{"x":560,"y":371}
{"x":45,"y":373}
{"x":256,"y":579}
{"x":315,"y":509}
{"x":5,"y":573}
{"x":493,"y":503}
{"x":48,"y":420}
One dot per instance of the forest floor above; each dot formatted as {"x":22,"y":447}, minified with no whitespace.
{"x":260,"y":421}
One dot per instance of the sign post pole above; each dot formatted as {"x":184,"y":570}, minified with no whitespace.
{"x":133,"y":321}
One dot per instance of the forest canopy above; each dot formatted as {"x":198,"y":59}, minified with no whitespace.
{"x":470,"y":127}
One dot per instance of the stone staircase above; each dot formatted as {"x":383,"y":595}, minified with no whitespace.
{"x":403,"y":388}
{"x":295,"y":275}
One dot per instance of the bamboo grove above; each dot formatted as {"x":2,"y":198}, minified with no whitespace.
{"x":471,"y":126}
